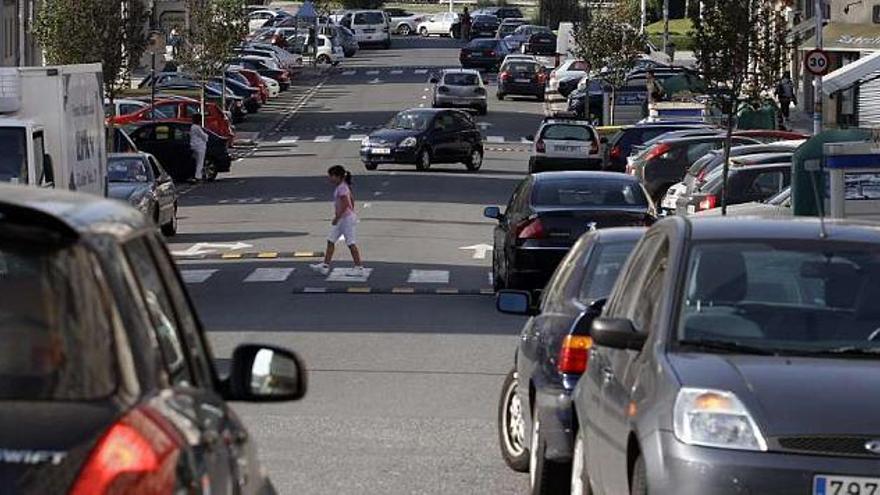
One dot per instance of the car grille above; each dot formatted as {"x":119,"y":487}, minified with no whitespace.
{"x":840,"y":446}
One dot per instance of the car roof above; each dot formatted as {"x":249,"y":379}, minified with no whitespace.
{"x":68,"y":214}
{"x":619,"y":234}
{"x":460,"y":71}
{"x":557,"y":120}
{"x":755,"y":157}
{"x":800,"y":228}
{"x":138,"y":154}
{"x":583,"y":174}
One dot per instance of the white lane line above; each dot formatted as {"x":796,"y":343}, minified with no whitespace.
{"x":372,"y":72}
{"x":397,"y":71}
{"x":494,"y":139}
{"x":349,"y":73}
{"x":428,"y":277}
{"x":314,"y":290}
{"x":196,"y":276}
{"x":421,"y":71}
{"x":269,"y":275}
{"x":288,"y":140}
{"x":323,"y":139}
{"x":491,"y":278}
{"x":348,"y":275}
{"x":357,"y":137}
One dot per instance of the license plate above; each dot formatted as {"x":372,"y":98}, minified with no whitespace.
{"x":566,"y":148}
{"x":692,"y":209}
{"x":522,"y":80}
{"x":845,"y":485}
{"x":381,"y":151}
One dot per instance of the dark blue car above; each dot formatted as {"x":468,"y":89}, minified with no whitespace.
{"x":535,"y":414}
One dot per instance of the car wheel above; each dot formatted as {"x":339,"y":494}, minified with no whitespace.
{"x":371,"y":165}
{"x":170,"y":228}
{"x":500,"y":96}
{"x":210,"y":170}
{"x":323,"y":59}
{"x":639,"y":483}
{"x":545,"y":476}
{"x":424,"y":32}
{"x":580,"y":479}
{"x":424,"y":161}
{"x":404,"y":30}
{"x":475,"y":161}
{"x":512,"y":426}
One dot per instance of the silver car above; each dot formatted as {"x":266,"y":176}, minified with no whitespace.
{"x":139,"y":179}
{"x":460,"y":88}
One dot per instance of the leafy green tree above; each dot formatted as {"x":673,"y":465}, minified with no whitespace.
{"x":111,"y":32}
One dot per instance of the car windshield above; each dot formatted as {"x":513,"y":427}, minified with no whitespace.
{"x":485,"y":18}
{"x":56,"y":338}
{"x":417,"y":121}
{"x":605,"y":263}
{"x":587,"y":192}
{"x":791,"y":296}
{"x":565,"y":132}
{"x":13,"y":159}
{"x":453,"y":79}
{"x":126,"y":170}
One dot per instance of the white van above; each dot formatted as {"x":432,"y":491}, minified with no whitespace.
{"x":369,"y":26}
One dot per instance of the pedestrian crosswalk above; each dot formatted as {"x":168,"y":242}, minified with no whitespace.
{"x":393,"y":71}
{"x":329,"y":138}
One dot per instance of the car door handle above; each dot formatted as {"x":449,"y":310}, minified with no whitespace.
{"x":607,"y":374}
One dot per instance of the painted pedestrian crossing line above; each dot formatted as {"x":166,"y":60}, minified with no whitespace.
{"x":329,"y":138}
{"x":269,"y":275}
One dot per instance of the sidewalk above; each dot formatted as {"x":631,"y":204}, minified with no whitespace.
{"x":800,"y":121}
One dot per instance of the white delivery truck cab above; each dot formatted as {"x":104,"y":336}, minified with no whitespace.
{"x":52,"y":127}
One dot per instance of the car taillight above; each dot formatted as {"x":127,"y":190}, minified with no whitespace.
{"x":540,"y":147}
{"x":574,"y":354}
{"x":615,"y":152}
{"x":138,"y":454}
{"x":709,"y":202}
{"x":658,"y":150}
{"x":542,"y":77}
{"x":531,"y":229}
{"x":492,"y":53}
{"x":504,"y":76}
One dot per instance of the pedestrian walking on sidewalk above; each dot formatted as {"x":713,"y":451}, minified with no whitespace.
{"x":786,"y":95}
{"x":465,"y":26}
{"x":344,"y":224}
{"x":198,"y":144}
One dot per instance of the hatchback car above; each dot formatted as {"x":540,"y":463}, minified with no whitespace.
{"x":140,"y":180}
{"x":549,"y":211}
{"x":369,"y":27}
{"x":181,"y":110}
{"x":460,"y":88}
{"x":552,"y":354}
{"x":521,"y":78}
{"x":424,"y":137}
{"x":622,"y":143}
{"x":736,"y":355}
{"x":746,"y":183}
{"x":107,"y":379}
{"x":169,"y":143}
{"x":563,"y":144}
{"x":508,"y":26}
{"x":484,"y":26}
{"x":483,"y":53}
{"x":522,"y":33}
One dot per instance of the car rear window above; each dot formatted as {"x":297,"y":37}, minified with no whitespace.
{"x":566,"y":132}
{"x":54,"y":325}
{"x":127,"y":169}
{"x":485,"y":19}
{"x":587,"y":192}
{"x":522,"y":67}
{"x":460,"y":80}
{"x":482,"y":44}
{"x":369,"y":18}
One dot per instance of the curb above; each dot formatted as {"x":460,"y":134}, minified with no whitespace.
{"x":261,"y":255}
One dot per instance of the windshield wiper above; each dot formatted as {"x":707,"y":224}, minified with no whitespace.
{"x":729,"y":346}
{"x":844,"y":351}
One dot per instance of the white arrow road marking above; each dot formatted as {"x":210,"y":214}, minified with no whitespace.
{"x":480,"y":250}
{"x":196,"y":276}
{"x":375,"y":81}
{"x":323,"y":139}
{"x":209,"y":247}
{"x":346,"y":126}
{"x":421,"y":71}
{"x":428,"y":277}
{"x":348,"y":275}
{"x":269,"y":275}
{"x":357,"y":137}
{"x":288,"y":140}
{"x":372,"y":72}
{"x":495,"y":139}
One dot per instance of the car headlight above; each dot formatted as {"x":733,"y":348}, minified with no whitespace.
{"x":365,"y":141}
{"x":715,"y":418}
{"x":409,"y":142}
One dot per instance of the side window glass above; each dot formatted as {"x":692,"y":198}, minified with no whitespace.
{"x":519,"y":191}
{"x":767,"y":183}
{"x":630,"y":292}
{"x":646,"y":306}
{"x":162,"y":316}
{"x":157,"y":172}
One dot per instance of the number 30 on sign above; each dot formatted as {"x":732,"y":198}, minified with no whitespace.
{"x":817,"y":62}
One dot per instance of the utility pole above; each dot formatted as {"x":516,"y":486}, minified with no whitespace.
{"x":21,"y":53}
{"x":644,"y":10}
{"x":666,"y":26}
{"x":817,"y":80}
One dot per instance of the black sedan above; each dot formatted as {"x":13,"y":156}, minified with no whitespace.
{"x":522,"y":78}
{"x":484,"y":26}
{"x":552,"y":354}
{"x":107,"y":380}
{"x":549,"y":211}
{"x":425,"y":136}
{"x":483,"y":53}
{"x":140,"y":180}
{"x":169,"y":143}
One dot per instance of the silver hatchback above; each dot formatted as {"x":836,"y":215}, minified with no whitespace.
{"x":460,"y":88}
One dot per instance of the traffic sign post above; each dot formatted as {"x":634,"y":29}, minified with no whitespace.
{"x":817,"y":62}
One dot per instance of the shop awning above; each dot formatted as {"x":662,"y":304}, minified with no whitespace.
{"x":842,"y":37}
{"x":849,"y":74}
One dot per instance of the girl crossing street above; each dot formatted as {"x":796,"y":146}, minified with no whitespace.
{"x":344,"y":224}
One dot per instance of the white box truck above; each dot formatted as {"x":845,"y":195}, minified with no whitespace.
{"x":52,"y":127}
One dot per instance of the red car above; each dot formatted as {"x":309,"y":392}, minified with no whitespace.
{"x":256,"y":81}
{"x":182,"y":110}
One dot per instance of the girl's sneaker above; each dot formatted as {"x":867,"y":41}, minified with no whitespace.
{"x":321,"y":268}
{"x":358,"y":271}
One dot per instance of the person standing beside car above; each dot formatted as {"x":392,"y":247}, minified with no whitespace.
{"x":198,"y":144}
{"x":465,"y":25}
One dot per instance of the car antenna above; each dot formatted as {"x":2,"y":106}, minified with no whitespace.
{"x":820,"y":205}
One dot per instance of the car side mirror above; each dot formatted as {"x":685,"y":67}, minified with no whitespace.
{"x":617,"y":333}
{"x":493,"y":212}
{"x":515,"y":302}
{"x":584,"y":324}
{"x":261,"y":373}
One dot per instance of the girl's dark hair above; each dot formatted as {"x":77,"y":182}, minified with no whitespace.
{"x":339,"y":171}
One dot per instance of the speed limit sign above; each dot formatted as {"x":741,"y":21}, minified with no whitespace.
{"x":817,"y":62}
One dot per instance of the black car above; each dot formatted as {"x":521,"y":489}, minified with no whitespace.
{"x":483,"y":53}
{"x":541,"y":43}
{"x":139,"y":180}
{"x":508,"y":26}
{"x":279,"y":75}
{"x":522,"y":78}
{"x":425,"y":136}
{"x":745,"y":184}
{"x":502,"y":13}
{"x":621,"y":144}
{"x":250,"y":96}
{"x":549,"y":211}
{"x":108,"y":382}
{"x":169,"y":143}
{"x":552,"y":353}
{"x":484,"y":26}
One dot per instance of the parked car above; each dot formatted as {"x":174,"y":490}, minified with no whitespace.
{"x":502,"y":12}
{"x":291,"y":62}
{"x":542,"y":44}
{"x":254,"y":79}
{"x":257,"y":19}
{"x":139,"y":179}
{"x":250,"y":95}
{"x":181,"y":110}
{"x":282,"y":77}
{"x":552,"y":353}
{"x":565,"y":144}
{"x":483,"y":53}
{"x":522,"y":33}
{"x":424,"y":137}
{"x":665,"y":163}
{"x":404,"y":22}
{"x":713,"y":350}
{"x":348,"y":41}
{"x":521,"y":78}
{"x":508,"y":26}
{"x":369,"y":27}
{"x":108,"y":383}
{"x":484,"y":26}
{"x":442,"y":24}
{"x":549,"y":211}
{"x":778,"y":206}
{"x":569,"y":70}
{"x":460,"y":88}
{"x":169,"y":143}
{"x":746,"y":183}
{"x":123,"y":106}
{"x":167,"y":83}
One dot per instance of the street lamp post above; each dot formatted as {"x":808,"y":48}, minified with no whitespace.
{"x":665,"y":26}
{"x":817,"y":80}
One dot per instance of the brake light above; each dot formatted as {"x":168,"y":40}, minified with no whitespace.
{"x":138,"y":454}
{"x":542,"y":77}
{"x":540,"y":147}
{"x":531,"y":229}
{"x":574,"y":354}
{"x":657,"y":151}
{"x":504,"y":76}
{"x":615,"y":152}
{"x":492,"y":53}
{"x":709,"y":202}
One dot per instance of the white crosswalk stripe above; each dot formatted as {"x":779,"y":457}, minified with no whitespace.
{"x":288,"y":140}
{"x":494,"y":139}
{"x":428,"y":277}
{"x":372,"y":72}
{"x":357,"y":137}
{"x":397,"y":71}
{"x":197,"y":276}
{"x":349,"y":73}
{"x":349,"y":275}
{"x":269,"y":275}
{"x":421,"y":71}
{"x":323,"y":139}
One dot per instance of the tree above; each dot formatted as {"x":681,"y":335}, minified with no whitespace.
{"x":87,"y":31}
{"x":362,"y":4}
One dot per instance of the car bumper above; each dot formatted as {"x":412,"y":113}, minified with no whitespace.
{"x":521,"y":89}
{"x":680,"y":469}
{"x":460,"y":101}
{"x":546,"y":163}
{"x":397,"y":155}
{"x":478,"y":62}
{"x":554,"y":407}
{"x":533,"y":265}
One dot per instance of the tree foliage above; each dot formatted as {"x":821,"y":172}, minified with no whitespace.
{"x":87,"y":31}
{"x":215,"y":28}
{"x":362,"y":4}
